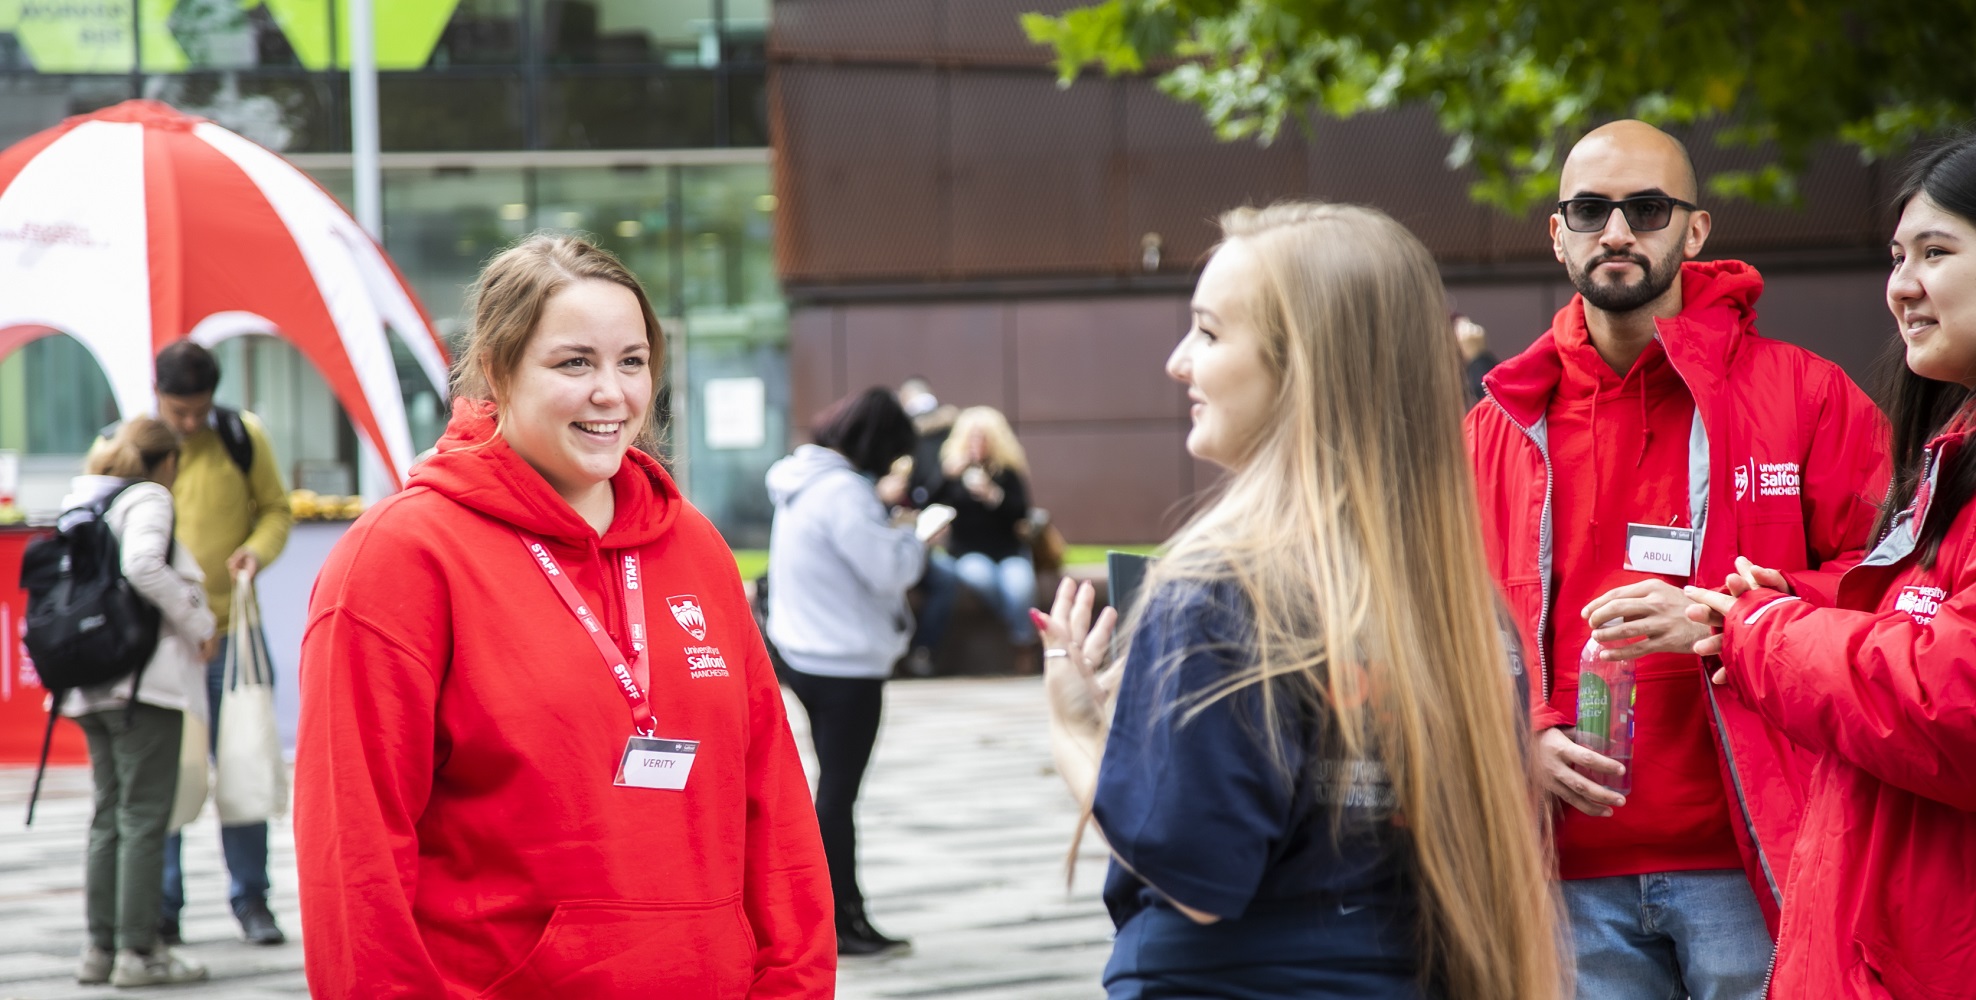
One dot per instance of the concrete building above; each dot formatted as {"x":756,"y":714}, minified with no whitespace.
{"x":949,"y":211}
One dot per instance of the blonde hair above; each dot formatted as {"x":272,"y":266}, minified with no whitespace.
{"x":1004,"y":451}
{"x":134,"y":451}
{"x":506,"y":302}
{"x":1351,"y":530}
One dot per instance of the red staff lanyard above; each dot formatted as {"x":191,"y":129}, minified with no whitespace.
{"x":634,"y":683}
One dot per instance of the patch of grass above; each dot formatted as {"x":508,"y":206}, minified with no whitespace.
{"x":751,"y":562}
{"x":1089,"y":555}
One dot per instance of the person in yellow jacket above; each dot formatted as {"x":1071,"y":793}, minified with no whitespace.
{"x":233,"y":517}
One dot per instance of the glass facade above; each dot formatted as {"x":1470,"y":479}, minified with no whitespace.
{"x":454,"y":75}
{"x":490,"y":98}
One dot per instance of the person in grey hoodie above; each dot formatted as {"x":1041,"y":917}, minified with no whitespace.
{"x":838,"y":571}
{"x":134,"y":751}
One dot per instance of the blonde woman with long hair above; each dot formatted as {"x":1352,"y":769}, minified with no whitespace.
{"x":1309,"y":763}
{"x":984,"y":476}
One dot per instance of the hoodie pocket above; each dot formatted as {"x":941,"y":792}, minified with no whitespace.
{"x":612,"y":947}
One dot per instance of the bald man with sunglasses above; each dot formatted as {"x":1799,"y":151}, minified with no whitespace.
{"x":1641,"y":444}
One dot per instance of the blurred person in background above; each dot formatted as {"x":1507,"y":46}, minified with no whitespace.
{"x":542,"y":751}
{"x":134,"y":748}
{"x":1476,"y":358}
{"x":984,"y":477}
{"x":838,"y":571}
{"x":233,"y":516}
{"x":1310,"y":764}
{"x":932,"y":422}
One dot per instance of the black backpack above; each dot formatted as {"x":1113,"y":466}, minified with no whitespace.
{"x":85,"y":623}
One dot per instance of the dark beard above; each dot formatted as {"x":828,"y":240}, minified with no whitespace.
{"x":1654,"y":281}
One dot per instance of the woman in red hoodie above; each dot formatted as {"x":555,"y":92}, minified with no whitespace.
{"x":518,"y":775}
{"x":1882,"y":686}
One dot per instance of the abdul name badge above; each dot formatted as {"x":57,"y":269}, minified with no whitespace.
{"x":648,"y":761}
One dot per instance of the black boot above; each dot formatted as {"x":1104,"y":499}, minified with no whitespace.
{"x":257,"y":922}
{"x":856,"y":936}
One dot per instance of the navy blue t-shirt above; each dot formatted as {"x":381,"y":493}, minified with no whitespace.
{"x":1198,"y":807}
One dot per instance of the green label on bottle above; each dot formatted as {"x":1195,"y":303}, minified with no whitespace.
{"x":1594,"y":706}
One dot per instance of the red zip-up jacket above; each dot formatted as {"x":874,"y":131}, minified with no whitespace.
{"x":1787,"y":466}
{"x":457,"y":827}
{"x":1883,"y":689}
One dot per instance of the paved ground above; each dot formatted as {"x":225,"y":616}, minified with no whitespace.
{"x":965,"y":833}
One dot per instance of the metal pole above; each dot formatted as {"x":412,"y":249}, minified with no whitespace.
{"x":363,"y":118}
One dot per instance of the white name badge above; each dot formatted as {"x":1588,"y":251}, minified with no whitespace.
{"x":1652,"y":548}
{"x":650,"y":763}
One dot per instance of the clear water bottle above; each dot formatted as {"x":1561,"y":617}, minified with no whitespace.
{"x":1605,"y":714}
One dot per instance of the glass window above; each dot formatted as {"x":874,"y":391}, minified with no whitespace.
{"x":289,"y":112}
{"x":736,"y":328}
{"x":670,"y":110}
{"x":69,"y":403}
{"x":481,"y":33}
{"x":747,"y":30}
{"x":453,"y":111}
{"x":306,"y":425}
{"x":29,"y":104}
{"x":626,"y":210}
{"x":630,"y":32}
{"x":441,"y":225}
{"x":224,"y":34}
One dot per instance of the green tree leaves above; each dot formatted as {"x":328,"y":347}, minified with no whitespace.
{"x":1516,"y":81}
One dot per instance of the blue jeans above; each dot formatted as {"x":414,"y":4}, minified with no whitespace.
{"x":245,"y":846}
{"x":1008,"y":585}
{"x":1667,"y":936}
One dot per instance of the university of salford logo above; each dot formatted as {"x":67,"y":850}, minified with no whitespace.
{"x":1742,"y":481}
{"x":686,"y":611}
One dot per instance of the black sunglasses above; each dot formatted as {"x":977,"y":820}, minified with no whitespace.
{"x":1644,"y":213}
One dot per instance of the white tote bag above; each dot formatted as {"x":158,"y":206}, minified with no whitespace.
{"x":251,"y":778}
{"x":193,"y":775}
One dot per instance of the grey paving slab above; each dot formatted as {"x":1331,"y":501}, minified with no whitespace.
{"x":965,"y":826}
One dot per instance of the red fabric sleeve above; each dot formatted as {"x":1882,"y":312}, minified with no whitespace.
{"x":363,"y":774}
{"x":786,"y":888}
{"x":1884,"y":693}
{"x":1845,"y":478}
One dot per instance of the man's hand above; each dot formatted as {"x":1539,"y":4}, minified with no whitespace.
{"x":1557,"y":755}
{"x":243,"y":561}
{"x":1654,"y":612}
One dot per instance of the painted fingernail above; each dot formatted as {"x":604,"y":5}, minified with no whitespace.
{"x":1042,"y":623}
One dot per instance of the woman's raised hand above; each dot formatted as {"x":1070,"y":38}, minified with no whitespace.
{"x":1075,"y":647}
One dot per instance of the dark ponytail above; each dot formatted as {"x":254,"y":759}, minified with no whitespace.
{"x":1918,"y":408}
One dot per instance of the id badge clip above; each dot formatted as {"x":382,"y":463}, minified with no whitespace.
{"x":654,"y":763}
{"x":1652,"y":548}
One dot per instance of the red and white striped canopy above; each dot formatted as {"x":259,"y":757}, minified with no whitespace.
{"x":139,"y":225}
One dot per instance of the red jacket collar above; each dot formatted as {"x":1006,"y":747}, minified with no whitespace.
{"x":475,"y":467}
{"x":1718,"y":307}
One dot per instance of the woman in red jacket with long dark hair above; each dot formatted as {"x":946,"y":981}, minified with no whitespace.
{"x":1882,"y":686}
{"x":542,"y":752}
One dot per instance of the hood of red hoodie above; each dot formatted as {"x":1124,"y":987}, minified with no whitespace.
{"x":1718,"y":308}
{"x":475,"y":467}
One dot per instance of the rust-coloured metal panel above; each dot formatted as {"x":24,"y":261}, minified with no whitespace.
{"x":1097,"y":359}
{"x":1036,"y":188}
{"x":814,"y":358}
{"x":1111,"y":485}
{"x":1841,"y":315}
{"x":960,"y":348}
{"x":1180,"y":177}
{"x":857,"y":196}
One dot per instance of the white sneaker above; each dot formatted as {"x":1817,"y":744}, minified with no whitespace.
{"x":94,"y":967}
{"x":161,"y":967}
